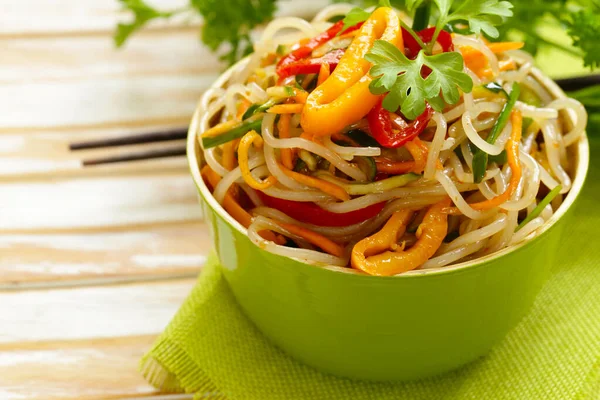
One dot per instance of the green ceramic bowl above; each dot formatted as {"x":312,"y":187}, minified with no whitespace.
{"x":383,"y":328}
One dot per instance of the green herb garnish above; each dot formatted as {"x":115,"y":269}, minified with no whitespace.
{"x":408,"y":90}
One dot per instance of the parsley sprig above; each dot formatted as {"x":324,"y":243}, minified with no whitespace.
{"x":402,"y":79}
{"x":226,"y":28}
{"x":228,"y":22}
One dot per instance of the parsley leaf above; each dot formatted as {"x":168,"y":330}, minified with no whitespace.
{"x":481,"y":15}
{"x":230,"y":24}
{"x":585,"y":31}
{"x":353,"y":17}
{"x":407,"y":89}
{"x":142,"y":13}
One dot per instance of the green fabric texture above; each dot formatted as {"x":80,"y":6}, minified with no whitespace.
{"x":211,"y":349}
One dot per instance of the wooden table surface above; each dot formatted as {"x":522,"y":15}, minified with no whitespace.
{"x":93,"y":263}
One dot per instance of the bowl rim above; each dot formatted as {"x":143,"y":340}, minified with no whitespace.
{"x":582,"y":155}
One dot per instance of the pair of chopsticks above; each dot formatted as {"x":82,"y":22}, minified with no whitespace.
{"x":567,"y":84}
{"x":144,"y":138}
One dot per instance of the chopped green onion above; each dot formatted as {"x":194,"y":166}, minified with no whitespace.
{"x":235,"y":133}
{"x":381,"y":186}
{"x":258,"y":108}
{"x":480,"y":157}
{"x":540,"y":207}
{"x":495,"y":88}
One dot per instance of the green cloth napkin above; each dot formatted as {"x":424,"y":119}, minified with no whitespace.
{"x":211,"y":349}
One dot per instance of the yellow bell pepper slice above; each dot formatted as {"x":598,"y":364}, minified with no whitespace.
{"x":344,"y":98}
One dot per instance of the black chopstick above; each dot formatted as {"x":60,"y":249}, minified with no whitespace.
{"x":151,"y":137}
{"x":137,"y":156}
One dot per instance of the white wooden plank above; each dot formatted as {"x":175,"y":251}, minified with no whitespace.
{"x":26,"y":60}
{"x":99,"y":202}
{"x":89,"y":369}
{"x":38,"y":17}
{"x":64,"y":17}
{"x":99,"y":256}
{"x":123,"y":101}
{"x":90,"y":312}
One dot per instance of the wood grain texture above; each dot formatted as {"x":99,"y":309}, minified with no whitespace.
{"x":33,"y":18}
{"x":120,"y":101}
{"x":86,"y":369}
{"x":28,"y":60}
{"x":35,"y":155}
{"x":100,"y":257}
{"x":89,"y":312}
{"x":98,"y":202}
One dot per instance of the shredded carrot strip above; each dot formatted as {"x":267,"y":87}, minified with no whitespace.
{"x":300,"y":96}
{"x":243,"y":107}
{"x":512,"y":150}
{"x":286,"y":109}
{"x":229,"y":204}
{"x":323,"y":73}
{"x":228,"y":157}
{"x":327,"y":187}
{"x":234,"y":209}
{"x":476,"y":61}
{"x":287,"y":154}
{"x":503,"y":65}
{"x":219,"y":129}
{"x":248,"y":140}
{"x":314,"y":238}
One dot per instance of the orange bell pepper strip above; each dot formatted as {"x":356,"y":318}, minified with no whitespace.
{"x":380,"y":253}
{"x":344,"y":98}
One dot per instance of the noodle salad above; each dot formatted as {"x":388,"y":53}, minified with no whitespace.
{"x":375,"y":146}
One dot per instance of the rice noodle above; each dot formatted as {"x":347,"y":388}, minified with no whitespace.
{"x":348,"y":153}
{"x":461,"y":126}
{"x":436,"y":145}
{"x":457,"y":198}
{"x":472,"y":134}
{"x":452,"y":256}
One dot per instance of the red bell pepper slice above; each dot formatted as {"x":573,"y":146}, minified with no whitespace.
{"x":311,"y":213}
{"x":311,"y":65}
{"x":381,"y":128}
{"x":305,"y":50}
{"x":412,"y":47}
